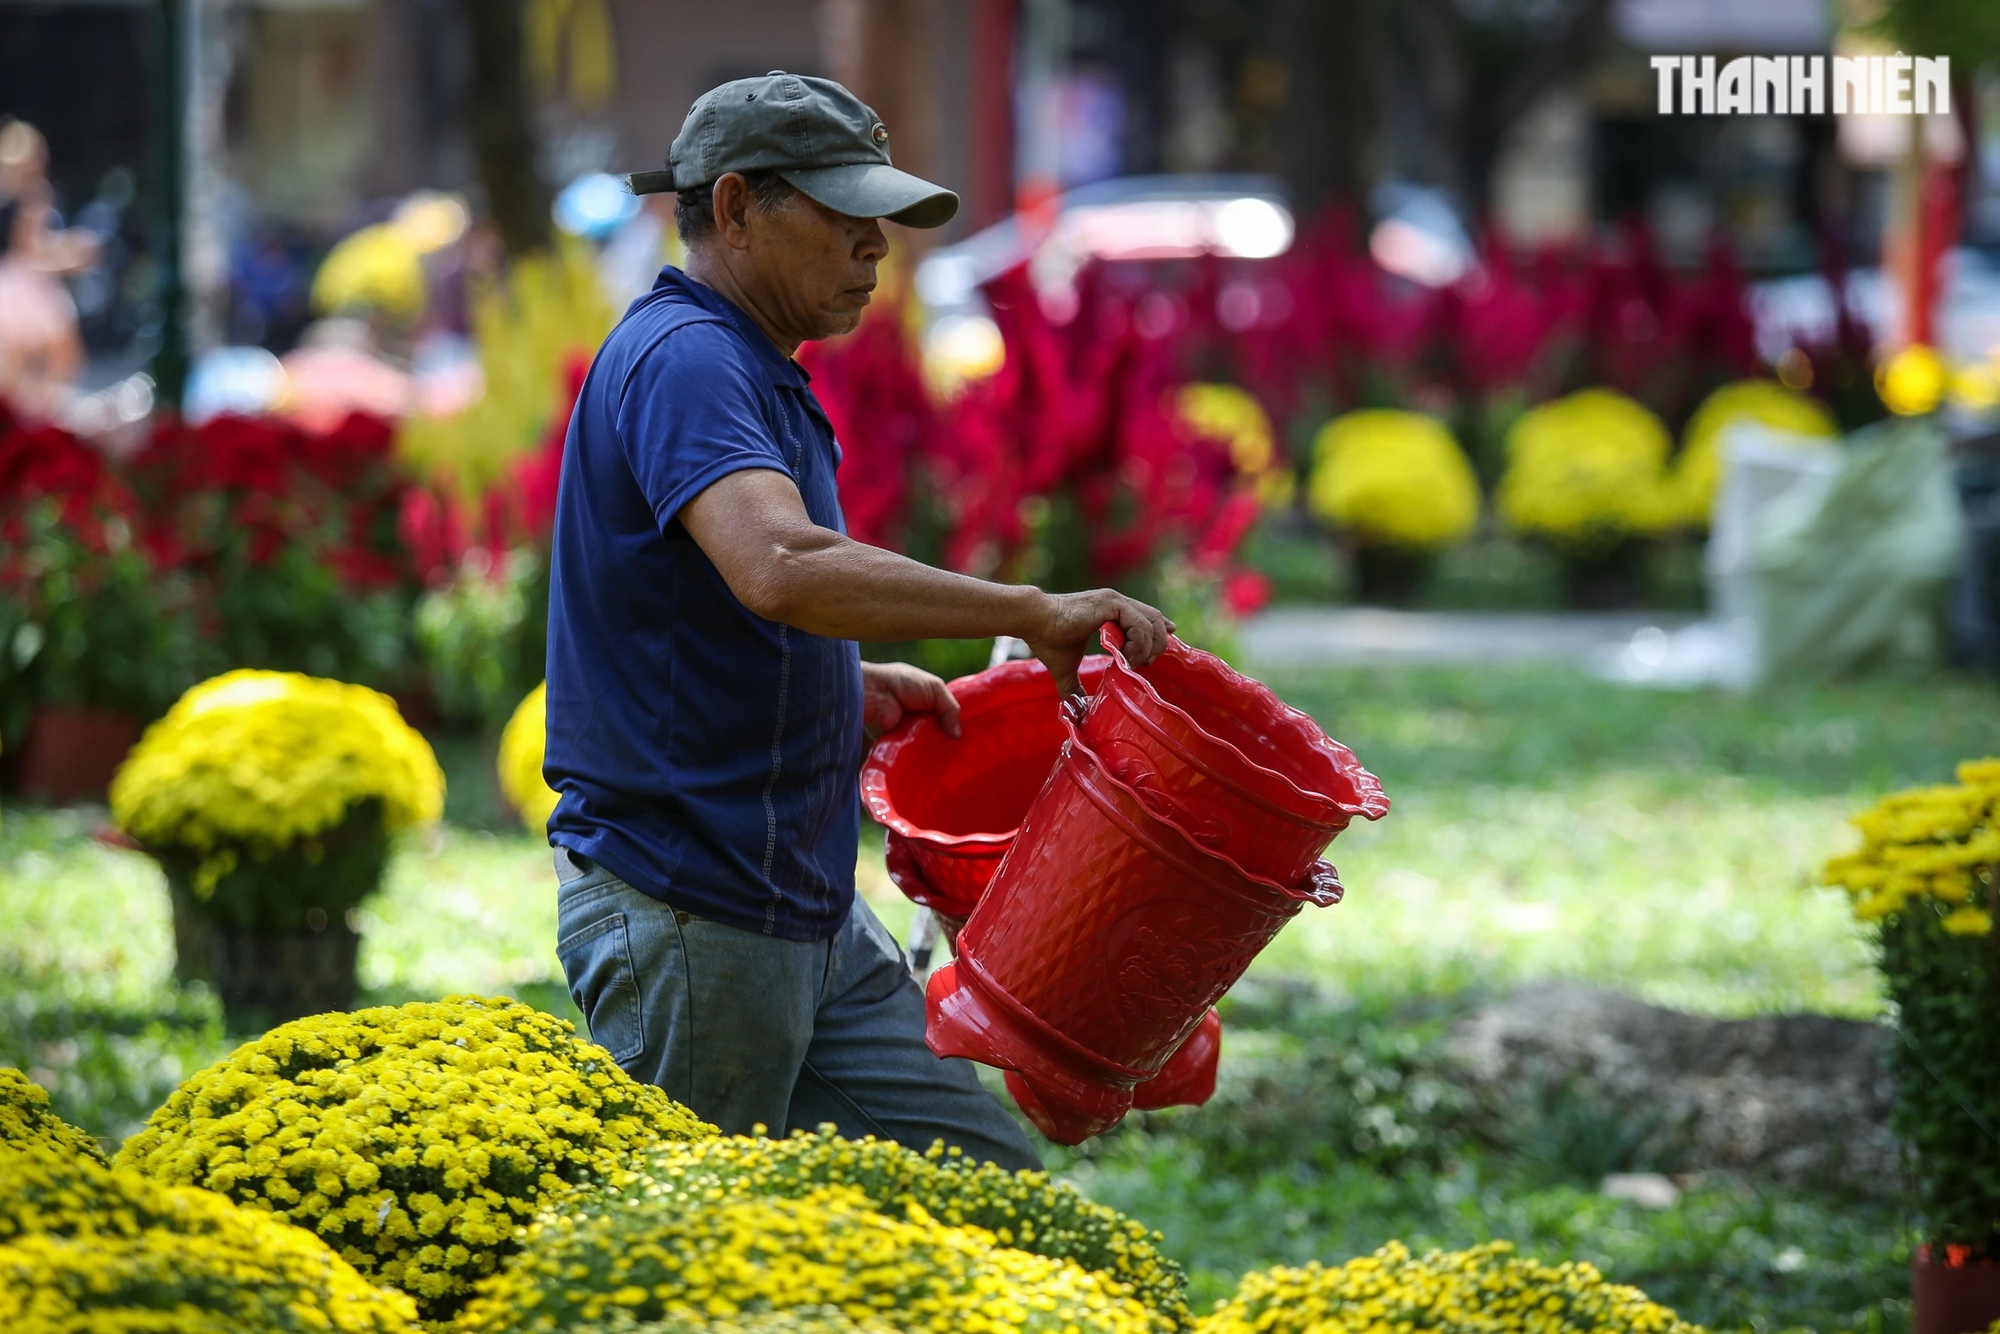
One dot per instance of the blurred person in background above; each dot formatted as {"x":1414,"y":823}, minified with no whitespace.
{"x":41,"y":352}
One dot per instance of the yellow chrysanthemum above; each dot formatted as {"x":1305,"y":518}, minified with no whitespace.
{"x":375,"y":268}
{"x":258,"y":760}
{"x":26,"y":1122}
{"x":1587,"y":470}
{"x":1486,"y":1290}
{"x":667,"y":1257}
{"x":84,"y":1248}
{"x":1796,"y":416}
{"x":1393,"y":478}
{"x":1224,"y":412}
{"x":522,"y":742}
{"x":1021,"y":1209}
{"x":415,"y":1139}
{"x":1969,"y":921}
{"x":1933,"y":849}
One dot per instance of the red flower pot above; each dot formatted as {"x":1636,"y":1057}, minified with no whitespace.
{"x":1099,"y":947}
{"x":1953,"y":1299}
{"x":956,"y":803}
{"x":1186,"y":1080}
{"x":1226,"y":761}
{"x":71,"y":753}
{"x":1188,"y":1077}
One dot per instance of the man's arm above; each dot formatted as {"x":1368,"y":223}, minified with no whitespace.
{"x":785,"y":567}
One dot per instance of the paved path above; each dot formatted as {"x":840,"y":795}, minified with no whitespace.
{"x":1311,"y":636}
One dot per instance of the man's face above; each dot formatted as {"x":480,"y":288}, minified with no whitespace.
{"x":816,"y":267}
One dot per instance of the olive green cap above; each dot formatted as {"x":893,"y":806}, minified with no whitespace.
{"x":817,"y":136}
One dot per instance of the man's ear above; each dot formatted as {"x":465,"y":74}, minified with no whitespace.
{"x":732,"y":210}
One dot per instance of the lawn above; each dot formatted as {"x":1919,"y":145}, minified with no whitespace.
{"x":1544,"y":825}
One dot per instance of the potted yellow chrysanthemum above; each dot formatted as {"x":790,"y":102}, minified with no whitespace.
{"x":1927,"y":878}
{"x":1587,"y":475}
{"x":1399,"y":489}
{"x":269,"y":799}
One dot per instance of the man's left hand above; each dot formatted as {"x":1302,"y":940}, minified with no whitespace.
{"x":889,"y":690}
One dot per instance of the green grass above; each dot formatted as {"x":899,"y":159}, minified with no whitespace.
{"x":1544,"y":825}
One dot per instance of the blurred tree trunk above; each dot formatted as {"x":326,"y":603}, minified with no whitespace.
{"x":881,"y":51}
{"x":1329,"y":146}
{"x":501,"y":112}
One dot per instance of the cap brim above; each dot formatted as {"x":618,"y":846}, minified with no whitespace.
{"x":875,"y":190}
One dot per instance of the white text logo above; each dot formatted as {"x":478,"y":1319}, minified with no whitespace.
{"x":1897,"y":85}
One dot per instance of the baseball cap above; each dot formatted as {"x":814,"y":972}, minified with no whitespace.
{"x":818,"y":137}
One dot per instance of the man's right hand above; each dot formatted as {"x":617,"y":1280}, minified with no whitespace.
{"x":1069,"y":620}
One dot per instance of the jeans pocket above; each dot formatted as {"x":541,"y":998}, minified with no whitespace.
{"x":597,"y":960}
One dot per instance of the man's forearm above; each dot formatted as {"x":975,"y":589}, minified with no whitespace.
{"x":827,"y":584}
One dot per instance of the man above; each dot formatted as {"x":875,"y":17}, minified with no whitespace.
{"x":706,"y":699}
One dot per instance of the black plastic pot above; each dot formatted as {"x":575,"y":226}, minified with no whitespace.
{"x":273,"y":934}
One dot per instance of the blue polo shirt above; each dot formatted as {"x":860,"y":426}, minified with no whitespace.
{"x":705,"y":755}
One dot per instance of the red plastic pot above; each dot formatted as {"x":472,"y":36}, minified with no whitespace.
{"x":1953,"y":1299}
{"x":1234,"y":767}
{"x":70,"y":754}
{"x":956,"y":802}
{"x":1099,"y":948}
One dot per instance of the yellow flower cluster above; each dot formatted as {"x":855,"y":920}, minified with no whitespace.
{"x":375,"y":268}
{"x":679,"y":1256}
{"x":1485,"y":1290}
{"x":1393,"y":478}
{"x":415,"y":1139}
{"x":797,"y":1320}
{"x":522,"y":743}
{"x":83,"y":1248}
{"x":1227,"y":413}
{"x":254,"y":761}
{"x":1939,"y":845}
{"x":1797,"y":417}
{"x":1020,"y":1209}
{"x":27,"y":1123}
{"x":1587,"y":470}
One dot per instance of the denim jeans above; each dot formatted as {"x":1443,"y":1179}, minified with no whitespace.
{"x":750,"y":1030}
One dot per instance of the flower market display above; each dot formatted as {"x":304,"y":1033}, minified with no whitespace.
{"x":415,"y":1139}
{"x":1927,"y":879}
{"x":82,"y":614}
{"x":522,"y":745}
{"x":676,"y":1254}
{"x":1797,"y":418}
{"x":27,"y":1123}
{"x":1483,"y":1290}
{"x":1587,"y":472}
{"x":1021,"y":1209}
{"x":85,"y":1248}
{"x":287,"y":539}
{"x":1394,"y":479}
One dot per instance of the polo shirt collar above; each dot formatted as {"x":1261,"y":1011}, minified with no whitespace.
{"x":781,"y":368}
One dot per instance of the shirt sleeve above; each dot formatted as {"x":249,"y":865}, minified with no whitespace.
{"x":690,"y":415}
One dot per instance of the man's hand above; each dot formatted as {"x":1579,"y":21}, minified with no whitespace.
{"x":889,"y":690}
{"x":1071,"y":619}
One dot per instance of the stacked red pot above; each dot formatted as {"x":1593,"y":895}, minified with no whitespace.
{"x":1122,"y":859}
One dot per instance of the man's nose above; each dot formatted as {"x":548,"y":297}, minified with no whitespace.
{"x":874,"y":244}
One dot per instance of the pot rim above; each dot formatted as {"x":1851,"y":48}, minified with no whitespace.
{"x":974,"y":694}
{"x":1373,"y":803}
